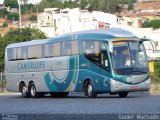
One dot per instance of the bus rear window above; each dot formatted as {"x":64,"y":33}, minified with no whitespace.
{"x":11,"y":53}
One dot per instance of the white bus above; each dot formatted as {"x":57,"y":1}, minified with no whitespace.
{"x":95,"y":61}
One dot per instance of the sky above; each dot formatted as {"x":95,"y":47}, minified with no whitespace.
{"x":30,"y":1}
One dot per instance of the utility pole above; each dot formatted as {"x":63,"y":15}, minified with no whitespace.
{"x":20,"y":20}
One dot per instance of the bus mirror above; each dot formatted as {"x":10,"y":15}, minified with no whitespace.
{"x":110,"y":46}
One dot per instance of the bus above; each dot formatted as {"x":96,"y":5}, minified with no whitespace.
{"x":93,"y":61}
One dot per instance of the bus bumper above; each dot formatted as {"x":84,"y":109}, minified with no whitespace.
{"x":117,"y":86}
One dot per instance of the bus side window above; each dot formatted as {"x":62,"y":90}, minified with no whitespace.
{"x":35,"y":52}
{"x":48,"y":50}
{"x":12,"y":53}
{"x":91,"y":50}
{"x":56,"y":49}
{"x":24,"y":52}
{"x":66,"y":48}
{"x":75,"y":49}
{"x":87,"y":47}
{"x":9,"y":53}
{"x":19,"y":57}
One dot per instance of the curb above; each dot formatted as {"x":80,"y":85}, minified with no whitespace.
{"x":9,"y":93}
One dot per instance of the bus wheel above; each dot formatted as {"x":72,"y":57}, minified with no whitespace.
{"x":33,"y":91}
{"x":123,"y":94}
{"x":24,"y":90}
{"x":90,"y":91}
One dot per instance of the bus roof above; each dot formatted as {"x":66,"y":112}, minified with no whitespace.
{"x":96,"y":34}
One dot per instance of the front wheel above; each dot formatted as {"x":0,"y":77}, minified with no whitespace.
{"x":123,"y":94}
{"x":90,"y":91}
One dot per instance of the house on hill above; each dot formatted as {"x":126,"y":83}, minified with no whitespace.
{"x":148,"y":5}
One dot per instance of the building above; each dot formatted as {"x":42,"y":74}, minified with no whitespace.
{"x":1,"y":6}
{"x":55,"y":21}
{"x":128,"y":20}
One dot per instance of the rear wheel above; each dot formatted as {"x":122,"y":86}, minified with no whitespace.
{"x":90,"y":91}
{"x":33,"y":91}
{"x":24,"y":90}
{"x":123,"y":94}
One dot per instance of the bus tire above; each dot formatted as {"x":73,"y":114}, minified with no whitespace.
{"x":90,"y":91}
{"x":24,"y":90}
{"x":32,"y":90}
{"x":123,"y":94}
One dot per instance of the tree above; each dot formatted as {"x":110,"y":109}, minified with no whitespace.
{"x":18,"y":35}
{"x":10,"y":3}
{"x":70,"y":4}
{"x":33,"y":18}
{"x":83,"y":4}
{"x":13,"y":16}
{"x":2,"y":51}
{"x":130,"y":4}
{"x":94,"y":5}
{"x":151,"y":24}
{"x":3,"y":12}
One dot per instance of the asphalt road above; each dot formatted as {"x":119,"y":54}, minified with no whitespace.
{"x":78,"y":104}
{"x":137,"y":106}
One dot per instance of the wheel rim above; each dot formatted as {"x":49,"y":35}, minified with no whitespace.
{"x":33,"y":91}
{"x":24,"y":90}
{"x":90,"y":90}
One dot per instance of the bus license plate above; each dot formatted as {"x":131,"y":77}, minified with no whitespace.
{"x":134,"y":87}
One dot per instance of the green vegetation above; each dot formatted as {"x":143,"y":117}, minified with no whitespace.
{"x":100,"y":5}
{"x":155,"y":77}
{"x":13,"y":16}
{"x":152,"y":24}
{"x":3,"y":12}
{"x":130,"y":4}
{"x":18,"y":35}
{"x":10,"y":3}
{"x":2,"y":84}
{"x":33,"y":18}
{"x":5,"y":25}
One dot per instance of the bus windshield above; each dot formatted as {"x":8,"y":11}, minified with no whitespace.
{"x":129,"y":57}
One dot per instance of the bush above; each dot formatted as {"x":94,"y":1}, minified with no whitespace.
{"x":3,"y":12}
{"x":151,"y":24}
{"x":155,"y":77}
{"x":33,"y":18}
{"x":5,"y":25}
{"x":13,"y":16}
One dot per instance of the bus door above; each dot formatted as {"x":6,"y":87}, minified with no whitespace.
{"x":105,"y":65}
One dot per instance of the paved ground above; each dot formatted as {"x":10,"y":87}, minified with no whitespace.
{"x":78,"y":104}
